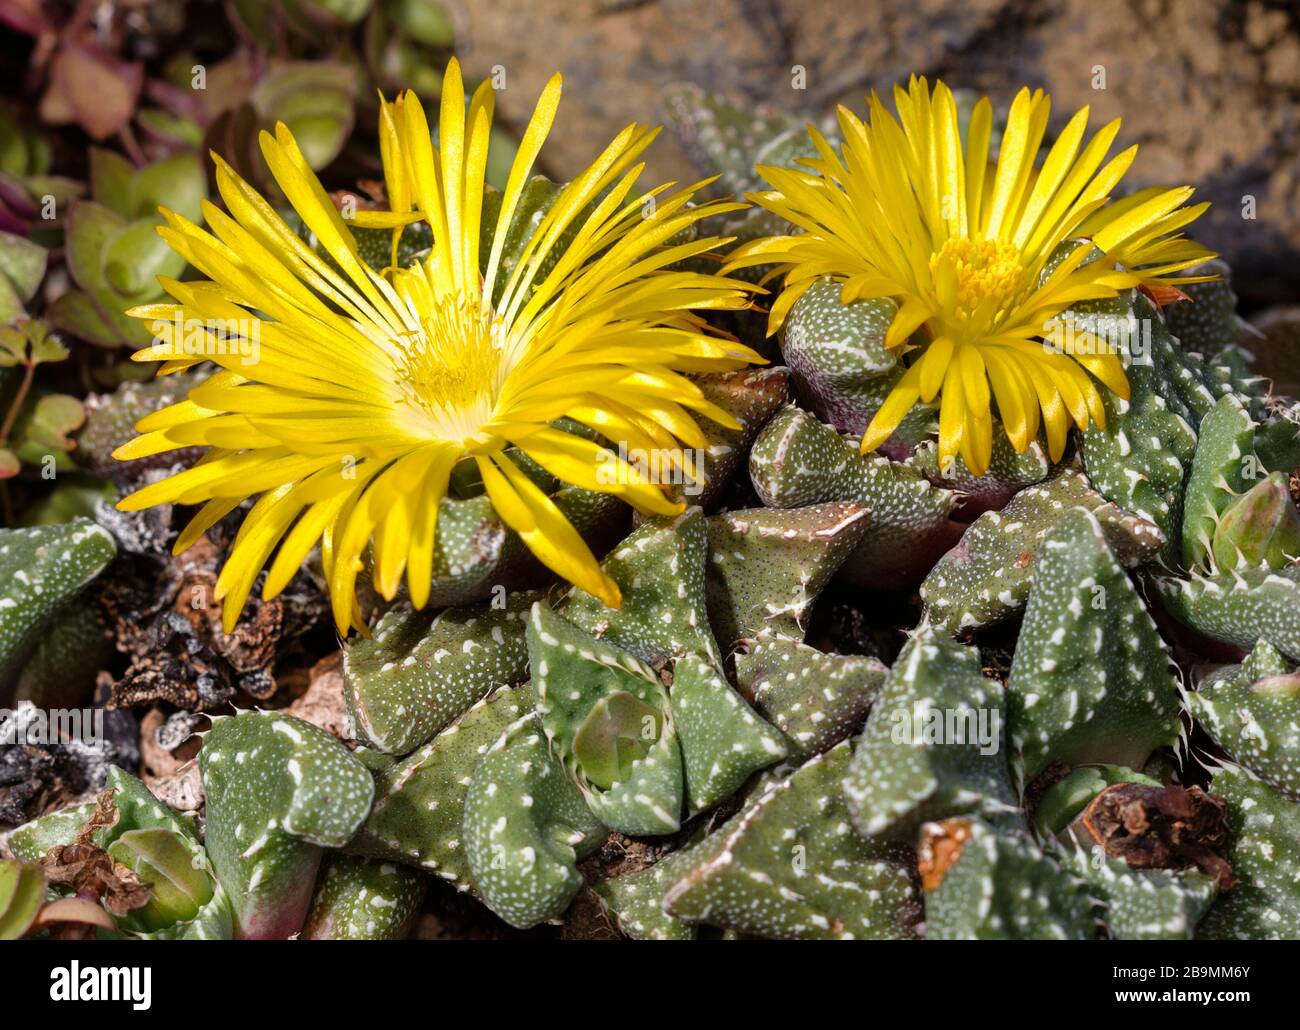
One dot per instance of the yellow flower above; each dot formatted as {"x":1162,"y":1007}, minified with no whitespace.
{"x":910,"y":211}
{"x":368,"y":389}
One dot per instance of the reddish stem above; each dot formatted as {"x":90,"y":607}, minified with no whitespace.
{"x":23,"y":388}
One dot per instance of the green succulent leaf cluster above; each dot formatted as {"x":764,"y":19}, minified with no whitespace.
{"x":844,"y":695}
{"x":187,"y":898}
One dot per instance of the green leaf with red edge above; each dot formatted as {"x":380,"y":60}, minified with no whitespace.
{"x":110,"y":180}
{"x":29,"y":342}
{"x":135,"y":256}
{"x":22,"y":892}
{"x":76,"y":313}
{"x":91,"y":228}
{"x":179,"y":183}
{"x":22,"y":267}
{"x":13,"y":347}
{"x":314,"y":99}
{"x":47,"y":425}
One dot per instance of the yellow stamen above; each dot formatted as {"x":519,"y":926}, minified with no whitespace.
{"x":983,"y":270}
{"x":451,"y":368}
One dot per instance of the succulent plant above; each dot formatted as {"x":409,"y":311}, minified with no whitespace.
{"x":1224,"y":448}
{"x":526,"y":826}
{"x":982,"y":884}
{"x":767,"y":565}
{"x":1140,"y":459}
{"x":159,"y":846}
{"x":111,"y":419}
{"x":701,"y":699}
{"x":635,"y":901}
{"x":1261,"y":527}
{"x":816,"y":699}
{"x":1265,"y":857}
{"x":60,"y":669}
{"x":1263,"y":662}
{"x":22,"y":893}
{"x":839,"y":361}
{"x":420,"y":670}
{"x":790,"y":865}
{"x":1241,"y":607}
{"x":1201,"y":382}
{"x":1146,"y":450}
{"x":728,"y":139}
{"x":933,"y":746}
{"x":1008,"y":473}
{"x":418,"y":812}
{"x":1143,"y":904}
{"x":43,"y":569}
{"x":1189,"y":383}
{"x":361,"y":899}
{"x":987,"y":576}
{"x":751,"y":397}
{"x":279,"y":791}
{"x":797,"y":460}
{"x":722,"y":741}
{"x":1277,"y":440}
{"x":1207,"y":323}
{"x":474,"y":552}
{"x":607,"y":717}
{"x":1252,"y":711}
{"x":181,"y":893}
{"x":1091,"y":679}
{"x":724,"y":138}
{"x":660,"y":570}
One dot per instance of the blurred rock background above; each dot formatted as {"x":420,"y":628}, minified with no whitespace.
{"x":1210,"y":89}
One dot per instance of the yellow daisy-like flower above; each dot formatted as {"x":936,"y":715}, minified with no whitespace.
{"x":368,"y":389}
{"x":911,"y":211}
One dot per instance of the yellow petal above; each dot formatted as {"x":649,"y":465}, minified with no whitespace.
{"x":544,"y":529}
{"x":952,"y":419}
{"x":899,"y":402}
{"x":593,"y":467}
{"x":530,"y":145}
{"x":1107,"y":368}
{"x":934,"y":363}
{"x":419,"y":568}
{"x":909,"y":318}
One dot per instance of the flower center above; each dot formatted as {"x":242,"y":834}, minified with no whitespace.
{"x":983,"y":275}
{"x":452,"y":366}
